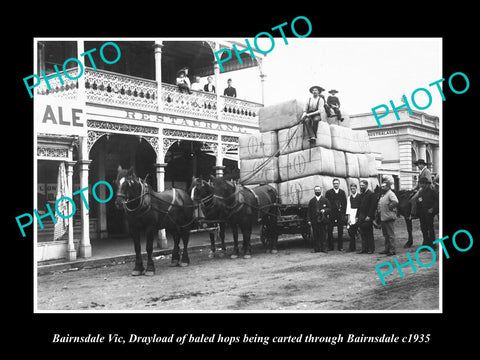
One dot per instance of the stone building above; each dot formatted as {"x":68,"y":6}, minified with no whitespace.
{"x":129,"y":113}
{"x":401,"y":142}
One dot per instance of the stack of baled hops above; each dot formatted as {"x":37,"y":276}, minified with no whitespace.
{"x":281,"y":156}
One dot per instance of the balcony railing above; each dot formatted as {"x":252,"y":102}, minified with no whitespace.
{"x":108,"y":88}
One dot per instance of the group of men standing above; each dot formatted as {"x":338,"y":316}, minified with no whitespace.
{"x":362,"y":211}
{"x":335,"y":210}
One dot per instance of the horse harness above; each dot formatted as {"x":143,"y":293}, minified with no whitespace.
{"x":239,"y":203}
{"x":145,"y":202}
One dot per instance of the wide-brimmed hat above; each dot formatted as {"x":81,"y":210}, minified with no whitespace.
{"x":333,"y":92}
{"x":182,"y":70}
{"x":419,"y":161}
{"x":320,"y":89}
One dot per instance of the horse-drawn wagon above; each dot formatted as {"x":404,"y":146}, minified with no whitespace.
{"x":282,"y":157}
{"x":278,"y":170}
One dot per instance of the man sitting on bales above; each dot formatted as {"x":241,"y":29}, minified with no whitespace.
{"x":312,"y":112}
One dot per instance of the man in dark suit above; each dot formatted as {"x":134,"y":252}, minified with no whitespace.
{"x":427,"y":206}
{"x":317,"y":217}
{"x":338,"y":201}
{"x":209,"y":87}
{"x":230,"y":90}
{"x":365,"y":215}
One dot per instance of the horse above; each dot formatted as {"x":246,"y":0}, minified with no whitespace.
{"x":239,"y":206}
{"x":202,"y":195}
{"x":151,"y":211}
{"x":404,"y":209}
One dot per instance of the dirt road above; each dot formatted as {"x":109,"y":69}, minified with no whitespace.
{"x":292,"y":279}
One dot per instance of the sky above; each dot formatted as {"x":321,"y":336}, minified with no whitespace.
{"x":367,"y":72}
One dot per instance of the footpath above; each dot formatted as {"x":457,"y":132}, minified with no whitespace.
{"x":112,"y":251}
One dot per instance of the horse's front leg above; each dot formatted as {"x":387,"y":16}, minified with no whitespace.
{"x":185,"y":235}
{"x":235,"y":241}
{"x":246,"y":233}
{"x":408,"y":222}
{"x":221,"y":226}
{"x":138,"y":269}
{"x":150,"y":266}
{"x":212,"y":235}
{"x":176,"y":248}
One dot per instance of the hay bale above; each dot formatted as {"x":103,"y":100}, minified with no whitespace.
{"x":363,"y":165}
{"x":324,"y":137}
{"x":317,"y":160}
{"x":361,"y":140}
{"x":255,"y":146}
{"x":340,"y":163}
{"x":290,"y":140}
{"x":372,"y":165}
{"x":353,"y":169}
{"x":250,"y":173}
{"x":280,"y":116}
{"x":334,"y":121}
{"x":253,"y":186}
{"x":298,"y":191}
{"x":342,"y":138}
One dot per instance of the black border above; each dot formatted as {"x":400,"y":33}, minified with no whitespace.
{"x":210,"y":20}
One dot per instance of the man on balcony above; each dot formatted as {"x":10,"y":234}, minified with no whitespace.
{"x":230,"y":90}
{"x":209,"y":87}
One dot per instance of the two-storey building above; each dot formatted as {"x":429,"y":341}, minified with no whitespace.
{"x":130,"y":113}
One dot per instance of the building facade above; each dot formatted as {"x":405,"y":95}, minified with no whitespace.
{"x":129,"y":114}
{"x":401,"y":142}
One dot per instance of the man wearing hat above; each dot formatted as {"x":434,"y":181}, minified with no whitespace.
{"x":425,"y":174}
{"x":183,"y":82}
{"x":312,"y":112}
{"x":427,"y":208}
{"x":333,"y":103}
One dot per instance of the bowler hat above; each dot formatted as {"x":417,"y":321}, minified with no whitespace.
{"x":320,"y":89}
{"x":420,"y":161}
{"x":333,"y":92}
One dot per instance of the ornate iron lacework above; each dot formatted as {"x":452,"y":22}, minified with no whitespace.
{"x":230,"y":139}
{"x":190,"y":134}
{"x":68,"y":90}
{"x":121,"y":127}
{"x":52,"y":151}
{"x":210,"y":146}
{"x":153,"y":141}
{"x":109,"y":88}
{"x":92,"y":137}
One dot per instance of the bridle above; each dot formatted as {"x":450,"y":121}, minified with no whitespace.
{"x":144,"y":192}
{"x":205,"y":202}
